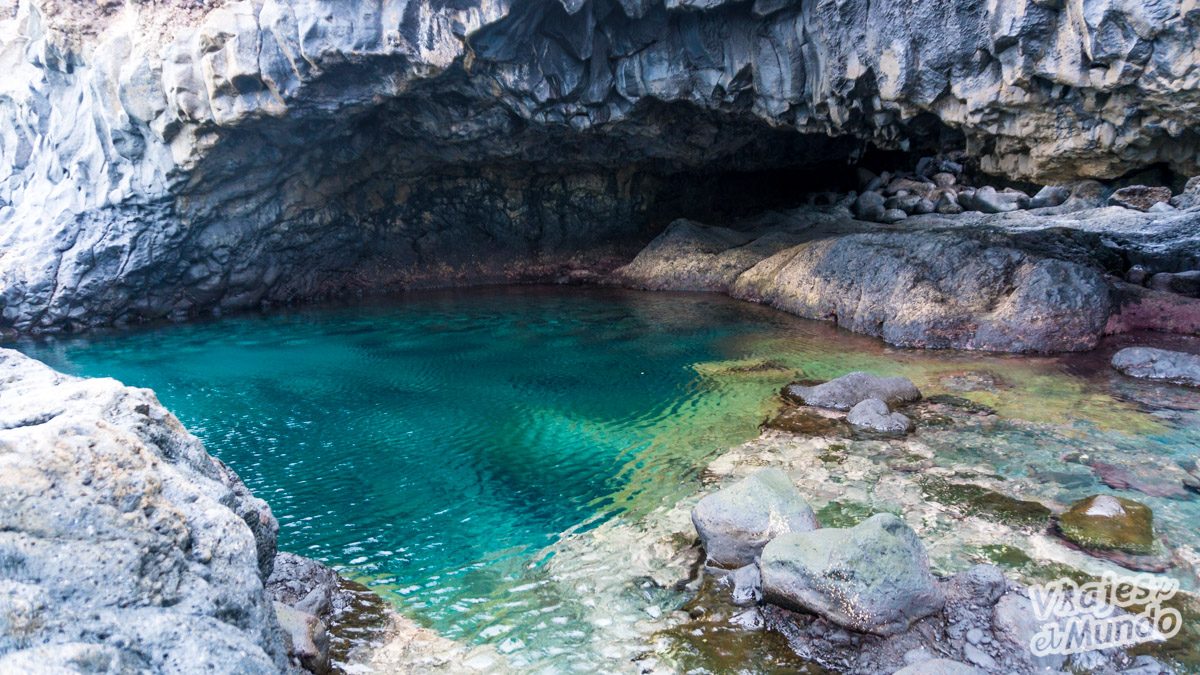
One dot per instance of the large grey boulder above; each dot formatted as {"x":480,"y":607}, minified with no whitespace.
{"x":936,"y":290}
{"x":125,"y":545}
{"x":874,"y":415}
{"x":1159,"y":364}
{"x":871,"y":578}
{"x":737,"y":521}
{"x":847,"y":391}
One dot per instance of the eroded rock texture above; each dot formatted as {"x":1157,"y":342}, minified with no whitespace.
{"x":177,"y":157}
{"x":124,"y":546}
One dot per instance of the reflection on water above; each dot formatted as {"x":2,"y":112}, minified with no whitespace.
{"x":438,"y":446}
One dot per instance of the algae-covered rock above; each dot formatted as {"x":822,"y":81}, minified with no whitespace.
{"x":976,"y":500}
{"x":736,"y":522}
{"x":872,"y":578}
{"x":1110,"y":523}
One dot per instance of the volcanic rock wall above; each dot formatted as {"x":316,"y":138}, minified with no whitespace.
{"x":170,"y":158}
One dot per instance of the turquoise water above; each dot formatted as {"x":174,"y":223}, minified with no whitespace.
{"x":440,"y":445}
{"x":433,"y":446}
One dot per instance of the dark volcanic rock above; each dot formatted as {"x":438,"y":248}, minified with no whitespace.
{"x":1184,"y":283}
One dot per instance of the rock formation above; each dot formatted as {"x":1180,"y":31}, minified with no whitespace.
{"x":735,"y":523}
{"x":172,"y":158}
{"x":1159,"y":364}
{"x":872,"y":578}
{"x":847,"y":391}
{"x":125,"y":545}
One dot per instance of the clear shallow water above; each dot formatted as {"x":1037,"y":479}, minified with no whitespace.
{"x":434,"y":446}
{"x":438,"y":446}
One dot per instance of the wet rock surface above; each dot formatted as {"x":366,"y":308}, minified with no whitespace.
{"x":1107,"y":522}
{"x":1159,"y":364}
{"x":736,"y":522}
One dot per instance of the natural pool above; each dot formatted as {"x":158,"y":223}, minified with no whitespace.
{"x":438,"y":446}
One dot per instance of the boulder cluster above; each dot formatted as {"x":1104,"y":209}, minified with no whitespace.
{"x":868,"y":400}
{"x":941,"y":185}
{"x":863,"y":599}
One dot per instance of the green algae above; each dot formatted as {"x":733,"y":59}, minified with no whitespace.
{"x":976,"y":500}
{"x":1131,"y":532}
{"x":806,"y":422}
{"x":713,"y":641}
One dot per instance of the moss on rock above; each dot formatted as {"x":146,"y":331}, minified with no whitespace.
{"x":1109,"y":523}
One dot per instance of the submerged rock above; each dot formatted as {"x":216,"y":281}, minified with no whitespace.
{"x":976,"y":500}
{"x":873,"y":577}
{"x":1109,"y":523}
{"x":874,"y":415}
{"x":1159,"y":364}
{"x":737,"y":521}
{"x":847,"y":391}
{"x":807,"y":422}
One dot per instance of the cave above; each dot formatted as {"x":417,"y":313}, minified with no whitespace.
{"x":668,"y":336}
